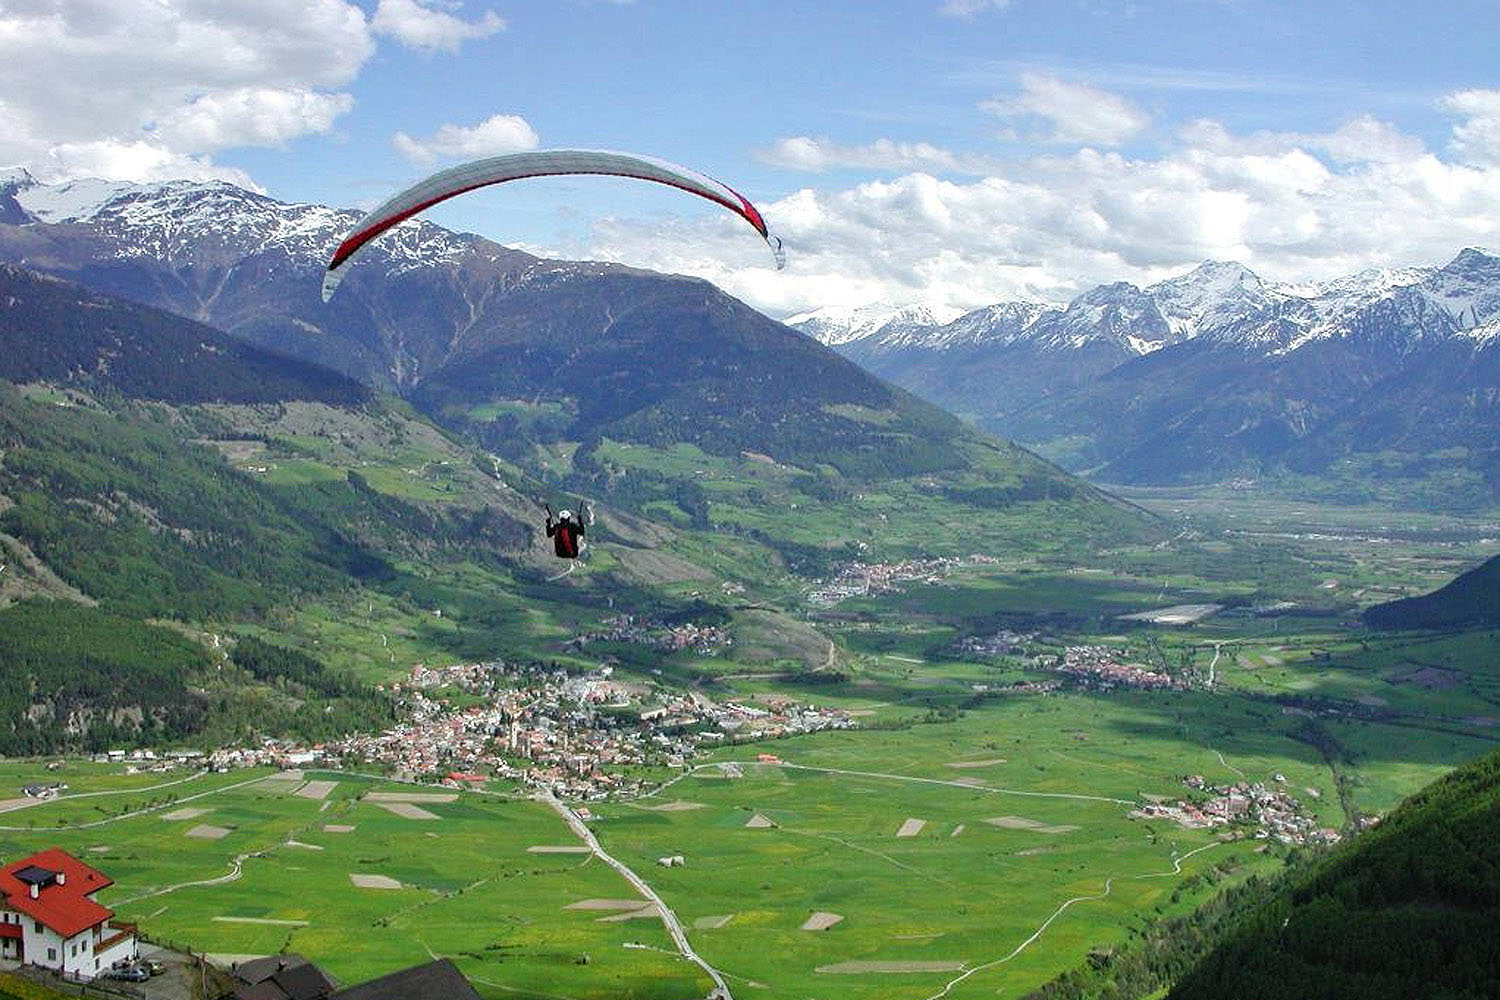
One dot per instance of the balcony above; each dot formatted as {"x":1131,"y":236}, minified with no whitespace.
{"x":119,"y":931}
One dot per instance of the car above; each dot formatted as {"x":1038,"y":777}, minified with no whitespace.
{"x":154,"y":966}
{"x":130,"y":974}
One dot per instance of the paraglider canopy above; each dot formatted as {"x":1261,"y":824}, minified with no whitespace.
{"x":457,"y":180}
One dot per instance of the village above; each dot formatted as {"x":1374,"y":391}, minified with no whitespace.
{"x":1093,"y":667}
{"x":1272,"y":812}
{"x":575,"y":735}
{"x":1104,"y":669}
{"x":857,"y":579}
{"x":705,"y":640}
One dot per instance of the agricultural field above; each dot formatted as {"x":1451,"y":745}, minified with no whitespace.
{"x":970,"y":841}
{"x":982,"y":842}
{"x":942,"y":848}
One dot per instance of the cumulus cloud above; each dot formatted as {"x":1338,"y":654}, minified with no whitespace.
{"x":491,"y":137}
{"x":423,"y":26}
{"x":128,"y":88}
{"x":251,"y":116}
{"x":1477,"y":138}
{"x":1364,"y":139}
{"x":1073,"y":112}
{"x":141,"y":161}
{"x":804,"y":153}
{"x":1291,"y":206}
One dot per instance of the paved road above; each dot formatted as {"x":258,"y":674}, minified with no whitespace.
{"x":674,"y":926}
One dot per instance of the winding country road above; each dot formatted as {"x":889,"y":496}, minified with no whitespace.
{"x":674,"y":926}
{"x":1109,"y":884}
{"x":138,"y":812}
{"x":953,"y":784}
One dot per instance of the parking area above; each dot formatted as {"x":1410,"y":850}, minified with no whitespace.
{"x":181,"y":978}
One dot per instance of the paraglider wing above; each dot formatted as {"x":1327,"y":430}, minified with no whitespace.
{"x":457,"y":180}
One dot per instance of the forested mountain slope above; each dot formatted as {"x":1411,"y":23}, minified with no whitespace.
{"x":1408,"y":909}
{"x":1471,"y":600}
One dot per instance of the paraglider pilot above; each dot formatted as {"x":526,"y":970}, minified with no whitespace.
{"x":566,"y":533}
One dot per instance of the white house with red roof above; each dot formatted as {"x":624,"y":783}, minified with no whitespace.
{"x":49,"y":916}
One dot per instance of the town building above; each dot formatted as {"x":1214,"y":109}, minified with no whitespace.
{"x":49,"y":916}
{"x":280,"y":977}
{"x":439,"y":980}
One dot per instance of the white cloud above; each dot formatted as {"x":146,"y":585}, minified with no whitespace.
{"x":141,"y":161}
{"x":1477,"y":138}
{"x":1361,"y":140}
{"x":969,"y":8}
{"x":491,"y":137}
{"x":804,"y":153}
{"x":251,"y":116}
{"x":1075,"y":113}
{"x":125,"y":89}
{"x":1292,"y":206}
{"x":424,"y":27}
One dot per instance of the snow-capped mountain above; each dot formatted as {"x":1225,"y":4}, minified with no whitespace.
{"x":1216,"y":372}
{"x":1210,"y":374}
{"x":251,"y":265}
{"x":454,"y":324}
{"x":185,"y":221}
{"x":1222,"y":301}
{"x":835,"y":325}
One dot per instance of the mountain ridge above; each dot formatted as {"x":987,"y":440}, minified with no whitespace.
{"x":462,"y":327}
{"x":1102,"y":386}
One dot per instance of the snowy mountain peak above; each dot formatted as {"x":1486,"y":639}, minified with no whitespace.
{"x":210,"y":221}
{"x":14,"y":178}
{"x":1213,"y":277}
{"x":834,"y":325}
{"x":1474,"y":258}
{"x":1467,"y":288}
{"x":1212,"y":296}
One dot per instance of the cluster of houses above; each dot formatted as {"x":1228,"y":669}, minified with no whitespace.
{"x":145,"y":760}
{"x":705,"y":640}
{"x":1002,"y":643}
{"x":857,"y":579}
{"x":576,"y":734}
{"x":1104,"y":669}
{"x":1271,"y":812}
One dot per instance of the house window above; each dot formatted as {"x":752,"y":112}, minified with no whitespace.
{"x":51,"y":954}
{"x":38,"y":926}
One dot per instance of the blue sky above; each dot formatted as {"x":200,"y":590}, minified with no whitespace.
{"x":956,"y":152}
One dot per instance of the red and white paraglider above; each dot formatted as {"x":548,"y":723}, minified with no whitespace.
{"x":457,"y":180}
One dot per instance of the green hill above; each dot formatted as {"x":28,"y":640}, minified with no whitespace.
{"x":1470,"y":601}
{"x":1408,"y":909}
{"x":552,"y":364}
{"x":55,"y":331}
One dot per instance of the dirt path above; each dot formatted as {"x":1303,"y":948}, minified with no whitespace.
{"x":955,"y":784}
{"x":863,"y":850}
{"x":236,"y":869}
{"x":139,"y":812}
{"x":1230,"y":766}
{"x":1108,"y":887}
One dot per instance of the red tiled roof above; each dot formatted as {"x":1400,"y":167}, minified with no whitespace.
{"x":63,"y":908}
